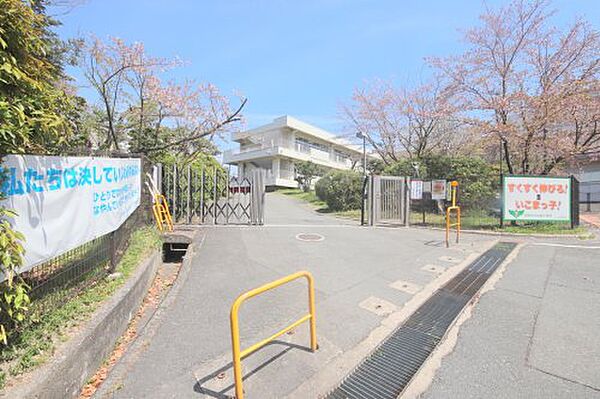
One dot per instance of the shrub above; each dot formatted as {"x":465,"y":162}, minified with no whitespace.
{"x":341,"y":190}
{"x":478,"y":180}
{"x":305,"y":174}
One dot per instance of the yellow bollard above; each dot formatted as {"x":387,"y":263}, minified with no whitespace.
{"x":453,"y":207}
{"x":239,"y":354}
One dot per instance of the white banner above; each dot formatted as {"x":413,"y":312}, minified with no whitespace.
{"x":63,"y":202}
{"x":537,"y":198}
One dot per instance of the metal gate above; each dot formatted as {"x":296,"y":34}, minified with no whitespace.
{"x":212,"y":195}
{"x":388,"y":200}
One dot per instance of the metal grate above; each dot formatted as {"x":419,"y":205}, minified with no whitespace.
{"x":390,"y":367}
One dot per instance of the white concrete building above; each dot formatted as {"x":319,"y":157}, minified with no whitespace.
{"x":279,"y":144}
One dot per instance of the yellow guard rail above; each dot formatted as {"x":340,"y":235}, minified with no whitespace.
{"x":239,"y":354}
{"x":453,"y":207}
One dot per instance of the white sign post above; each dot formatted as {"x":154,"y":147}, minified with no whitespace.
{"x":438,"y":189}
{"x":64,"y":202}
{"x":416,"y":189}
{"x":541,"y":198}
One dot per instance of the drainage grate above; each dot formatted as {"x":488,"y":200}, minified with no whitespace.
{"x":390,"y":367}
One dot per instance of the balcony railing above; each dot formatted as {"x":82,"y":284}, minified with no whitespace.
{"x":301,"y":149}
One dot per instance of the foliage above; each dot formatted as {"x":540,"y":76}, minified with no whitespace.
{"x":37,"y":339}
{"x":341,"y":190}
{"x":478,"y":180}
{"x":141,"y":113}
{"x":33,"y":94}
{"x":400,"y":122}
{"x":36,"y":115}
{"x":526,"y":84}
{"x":306,"y":172}
{"x":306,"y":196}
{"x":14,"y":300}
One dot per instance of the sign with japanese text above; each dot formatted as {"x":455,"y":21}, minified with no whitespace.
{"x":64,"y":202}
{"x":438,"y":189}
{"x":537,"y":198}
{"x":416,"y":189}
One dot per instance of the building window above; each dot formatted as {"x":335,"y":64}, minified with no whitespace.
{"x":341,"y":157}
{"x":304,"y":145}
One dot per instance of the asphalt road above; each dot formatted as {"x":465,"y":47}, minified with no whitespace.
{"x":362,"y":275}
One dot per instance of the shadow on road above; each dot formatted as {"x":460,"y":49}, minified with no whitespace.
{"x":200,"y":385}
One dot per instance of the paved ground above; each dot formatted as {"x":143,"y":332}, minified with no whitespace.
{"x":367,"y":279}
{"x":591,"y":218}
{"x":535,"y":335}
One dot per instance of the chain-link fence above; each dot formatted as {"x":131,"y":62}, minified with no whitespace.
{"x":480,"y":210}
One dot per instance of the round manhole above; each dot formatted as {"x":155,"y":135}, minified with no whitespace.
{"x":309,"y":237}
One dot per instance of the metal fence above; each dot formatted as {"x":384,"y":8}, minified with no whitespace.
{"x":482,"y":207}
{"x":212,"y":195}
{"x":62,"y":277}
{"x":589,"y":196}
{"x":56,"y":280}
{"x":475,"y":213}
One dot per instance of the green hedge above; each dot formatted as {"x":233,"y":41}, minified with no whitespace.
{"x":478,"y":180}
{"x":341,"y":190}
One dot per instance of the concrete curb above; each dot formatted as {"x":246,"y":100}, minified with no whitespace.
{"x":502,"y":234}
{"x":78,"y":359}
{"x":334,"y":372}
{"x":147,"y":331}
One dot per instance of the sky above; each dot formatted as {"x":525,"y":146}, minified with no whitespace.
{"x":300,"y":58}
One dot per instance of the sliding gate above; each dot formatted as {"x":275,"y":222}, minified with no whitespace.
{"x":387,"y":200}
{"x":213,"y":196}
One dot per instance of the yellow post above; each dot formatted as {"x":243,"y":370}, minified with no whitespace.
{"x":453,"y":207}
{"x":239,"y":354}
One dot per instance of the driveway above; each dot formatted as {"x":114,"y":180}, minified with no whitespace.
{"x":360,"y":275}
{"x":367,"y":279}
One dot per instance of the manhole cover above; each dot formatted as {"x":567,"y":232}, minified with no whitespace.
{"x":310,"y":237}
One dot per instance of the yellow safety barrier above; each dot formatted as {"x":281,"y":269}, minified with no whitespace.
{"x":453,"y":207}
{"x":162,"y":213}
{"x":239,"y":354}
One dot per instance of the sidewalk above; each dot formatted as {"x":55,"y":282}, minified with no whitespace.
{"x":534,"y":336}
{"x":591,"y":218}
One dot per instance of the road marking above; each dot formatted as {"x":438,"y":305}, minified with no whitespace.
{"x":550,"y":244}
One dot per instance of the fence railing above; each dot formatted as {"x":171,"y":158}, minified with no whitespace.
{"x":53,"y":282}
{"x":81,"y":266}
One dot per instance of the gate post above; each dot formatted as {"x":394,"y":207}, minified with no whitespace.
{"x":215,"y":200}
{"x":371,"y":200}
{"x":175,"y":185}
{"x":202,"y":196}
{"x":407,"y":199}
{"x":189,"y":195}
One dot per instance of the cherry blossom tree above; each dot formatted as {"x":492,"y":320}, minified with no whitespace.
{"x":144,"y":113}
{"x":528,"y":86}
{"x":401,"y":122}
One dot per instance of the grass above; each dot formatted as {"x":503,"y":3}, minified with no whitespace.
{"x":306,"y":196}
{"x":320,"y":206}
{"x":36,"y":341}
{"x":476,"y":220}
{"x":479,"y":220}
